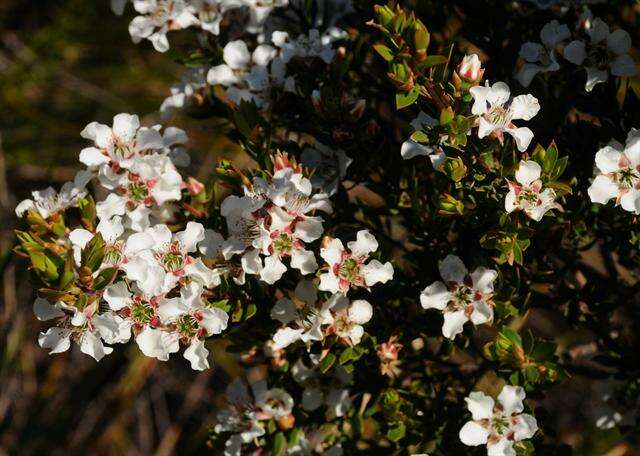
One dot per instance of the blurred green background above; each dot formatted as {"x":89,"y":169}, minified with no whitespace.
{"x":63,"y":64}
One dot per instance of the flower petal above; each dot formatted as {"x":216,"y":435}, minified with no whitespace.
{"x":473,"y":434}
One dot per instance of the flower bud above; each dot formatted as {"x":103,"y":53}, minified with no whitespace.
{"x":470,"y":68}
{"x":194,"y":186}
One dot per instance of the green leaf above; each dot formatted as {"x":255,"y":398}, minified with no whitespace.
{"x":104,"y":278}
{"x":327,"y":362}
{"x":93,"y":253}
{"x":384,"y":51}
{"x":397,"y":432}
{"x":279,"y":444}
{"x":432,"y":60}
{"x":407,"y":98}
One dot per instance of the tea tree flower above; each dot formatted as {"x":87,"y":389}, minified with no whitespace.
{"x":470,"y":69}
{"x":329,"y":166}
{"x":526,"y":193}
{"x":185,"y":93}
{"x":460,"y":296}
{"x":603,"y":52}
{"x":157,"y":18}
{"x":542,"y":58}
{"x":192,"y":321}
{"x":498,"y":426}
{"x":48,"y":202}
{"x":618,"y":174}
{"x":111,"y":230}
{"x":496,"y":113}
{"x":347,"y":267}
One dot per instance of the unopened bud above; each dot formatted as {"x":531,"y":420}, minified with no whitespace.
{"x":194,"y":186}
{"x":470,"y":68}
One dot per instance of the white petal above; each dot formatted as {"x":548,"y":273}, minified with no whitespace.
{"x":528,"y":171}
{"x":250,"y":262}
{"x":624,"y":66}
{"x":149,"y":139}
{"x":112,"y":205}
{"x":329,"y":282}
{"x":24,"y":206}
{"x":221,"y":74}
{"x":285,"y":337}
{"x":236,"y":55}
{"x":575,"y":52}
{"x":411,"y":148}
{"x":272,"y":270}
{"x":171,"y":309}
{"x":91,"y":345}
{"x":453,"y":323}
{"x":595,"y":76}
{"x":525,"y":428}
{"x":531,"y":52}
{"x":110,"y":229}
{"x":80,"y":237}
{"x":598,"y":31}
{"x":483,"y":279}
{"x":304,"y":260}
{"x":524,"y":107}
{"x":452,"y":269}
{"x":125,"y":126}
{"x":214,"y":320}
{"x":376,"y":272}
{"x":619,"y":42}
{"x":523,"y":137}
{"x":45,"y":311}
{"x":527,"y":72}
{"x":191,"y":236}
{"x":284,"y":311}
{"x":306,"y":291}
{"x":210,"y":278}
{"x":480,"y":405}
{"x":435,"y":296}
{"x":93,"y":157}
{"x":511,"y":398}
{"x":503,"y":447}
{"x":473,"y":434}
{"x":197,"y":354}
{"x":485,"y":128}
{"x":312,"y":398}
{"x":211,"y":245}
{"x":554,"y":33}
{"x":499,"y":94}
{"x":608,"y":159}
{"x":360,"y":311}
{"x":602,"y":189}
{"x":630,"y":200}
{"x":57,"y":339}
{"x":154,"y":343}
{"x":309,"y":229}
{"x":332,"y":254}
{"x":117,"y":296}
{"x":482,"y":313}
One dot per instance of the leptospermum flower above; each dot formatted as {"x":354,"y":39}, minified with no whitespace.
{"x":211,"y":12}
{"x":496,"y":117}
{"x":308,"y":46}
{"x":461,"y":296}
{"x":192,"y":321}
{"x":139,"y":314}
{"x":411,"y":148}
{"x":87,"y":327}
{"x":185,"y":93}
{"x":348,"y":267}
{"x":470,"y":69}
{"x":157,"y":18}
{"x":317,"y":393}
{"x":48,"y":202}
{"x":619,"y":174}
{"x":542,"y":58}
{"x":498,"y":426}
{"x":329,"y":166}
{"x":160,"y":259}
{"x":603,"y":52}
{"x":526,"y":193}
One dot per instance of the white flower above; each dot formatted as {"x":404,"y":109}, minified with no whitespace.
{"x":239,"y":418}
{"x":542,"y":58}
{"x":140,"y":316}
{"x":605,"y":51}
{"x":499,"y":427}
{"x":193,"y":321}
{"x":462,"y":296}
{"x":496,"y":119}
{"x":349,"y":318}
{"x":318,"y":393}
{"x":470,"y":68}
{"x":347,"y":268}
{"x":307,"y":46}
{"x":619,"y":174}
{"x":411,"y":148}
{"x":329,"y":166}
{"x":116,"y":147}
{"x":526,"y":193}
{"x":151,"y":182}
{"x":304,"y":318}
{"x":210,"y":12}
{"x":192,"y":84}
{"x":86,"y":327}
{"x":160,"y":259}
{"x":48,"y":202}
{"x":157,"y":17}
{"x":259,"y":11}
